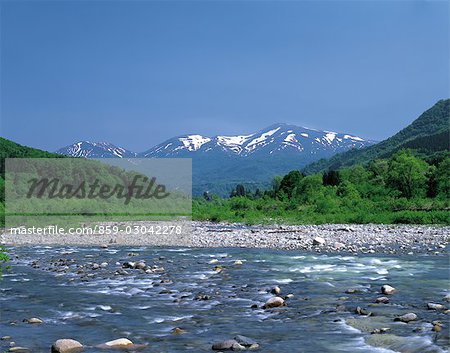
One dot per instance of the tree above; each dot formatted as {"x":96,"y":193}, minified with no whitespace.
{"x":331,"y":178}
{"x":407,"y":174}
{"x":238,"y":191}
{"x":442,"y":176}
{"x":289,"y":182}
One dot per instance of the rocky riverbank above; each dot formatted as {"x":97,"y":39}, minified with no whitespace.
{"x":328,"y":238}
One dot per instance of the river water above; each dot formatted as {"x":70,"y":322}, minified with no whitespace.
{"x":96,"y":305}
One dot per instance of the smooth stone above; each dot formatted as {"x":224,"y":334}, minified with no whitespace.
{"x":19,"y":349}
{"x":387,"y":289}
{"x":33,"y":320}
{"x":274,"y":302}
{"x":245,"y":341}
{"x":433,"y":306}
{"x":437,"y":328}
{"x":383,"y":300}
{"x":447,"y":298}
{"x":276,"y":290}
{"x":406,"y":318}
{"x":238,"y":262}
{"x":318,"y":241}
{"x":178,"y":331}
{"x":214,"y":261}
{"x":5,"y":338}
{"x":226,"y":345}
{"x":118,"y":343}
{"x":66,"y":345}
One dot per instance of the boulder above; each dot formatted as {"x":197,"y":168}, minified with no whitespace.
{"x":66,"y":345}
{"x":388,"y":290}
{"x":406,"y":318}
{"x":273,"y":303}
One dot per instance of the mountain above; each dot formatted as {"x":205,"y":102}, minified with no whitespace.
{"x":427,"y":135}
{"x":89,"y":149}
{"x":220,"y":162}
{"x":277,"y":140}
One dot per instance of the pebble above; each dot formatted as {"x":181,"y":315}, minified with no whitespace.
{"x":318,"y":241}
{"x":33,"y":320}
{"x":227,"y":345}
{"x":382,"y":300}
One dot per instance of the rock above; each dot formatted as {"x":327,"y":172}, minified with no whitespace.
{"x":388,"y":290}
{"x":5,"y":338}
{"x":66,"y":345}
{"x":273,"y":303}
{"x":140,"y":265}
{"x":33,"y":320}
{"x":382,"y":300}
{"x":121,"y":343}
{"x":380,"y":330}
{"x":437,"y":328}
{"x":447,"y":298}
{"x":254,"y":347}
{"x":238,"y":262}
{"x":214,"y":261}
{"x":406,"y":318}
{"x":245,"y":341}
{"x":276,"y":290}
{"x":318,"y":241}
{"x":19,"y":349}
{"x":433,"y":306}
{"x":227,"y":345}
{"x":178,"y":331}
{"x":129,"y":264}
{"x":361,"y":311}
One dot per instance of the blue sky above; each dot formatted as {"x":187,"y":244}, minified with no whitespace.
{"x":137,"y":73}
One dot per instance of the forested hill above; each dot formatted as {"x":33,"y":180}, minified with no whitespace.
{"x":427,"y":135}
{"x":10,"y":149}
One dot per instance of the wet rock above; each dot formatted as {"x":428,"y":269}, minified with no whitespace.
{"x":406,"y":318}
{"x":318,"y":241}
{"x":380,"y":330}
{"x":121,"y":343}
{"x":129,"y":264}
{"x":361,"y":311}
{"x":447,"y":298}
{"x":140,"y":265}
{"x":388,"y":290}
{"x":19,"y":349}
{"x":276,"y":290}
{"x":382,"y":300}
{"x":437,"y":328}
{"x":353,"y":291}
{"x":214,"y":261}
{"x":254,"y":347}
{"x":433,"y":306}
{"x":33,"y":320}
{"x":227,"y":346}
{"x":245,"y":341}
{"x":202,"y":296}
{"x":178,"y":331}
{"x":66,"y":345}
{"x":274,"y":302}
{"x":238,"y":262}
{"x":5,"y":338}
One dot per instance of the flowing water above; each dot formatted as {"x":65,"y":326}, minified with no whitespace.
{"x":99,"y":306}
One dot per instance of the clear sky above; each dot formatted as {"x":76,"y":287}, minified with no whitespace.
{"x":135,"y":73}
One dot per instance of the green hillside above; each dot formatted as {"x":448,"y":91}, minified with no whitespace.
{"x":428,"y":135}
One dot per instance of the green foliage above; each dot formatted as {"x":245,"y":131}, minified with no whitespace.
{"x":394,"y":190}
{"x":428,"y":135}
{"x":407,"y":174}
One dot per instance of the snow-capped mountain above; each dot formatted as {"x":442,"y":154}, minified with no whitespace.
{"x":274,"y":140}
{"x":221,"y":162}
{"x":89,"y":149}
